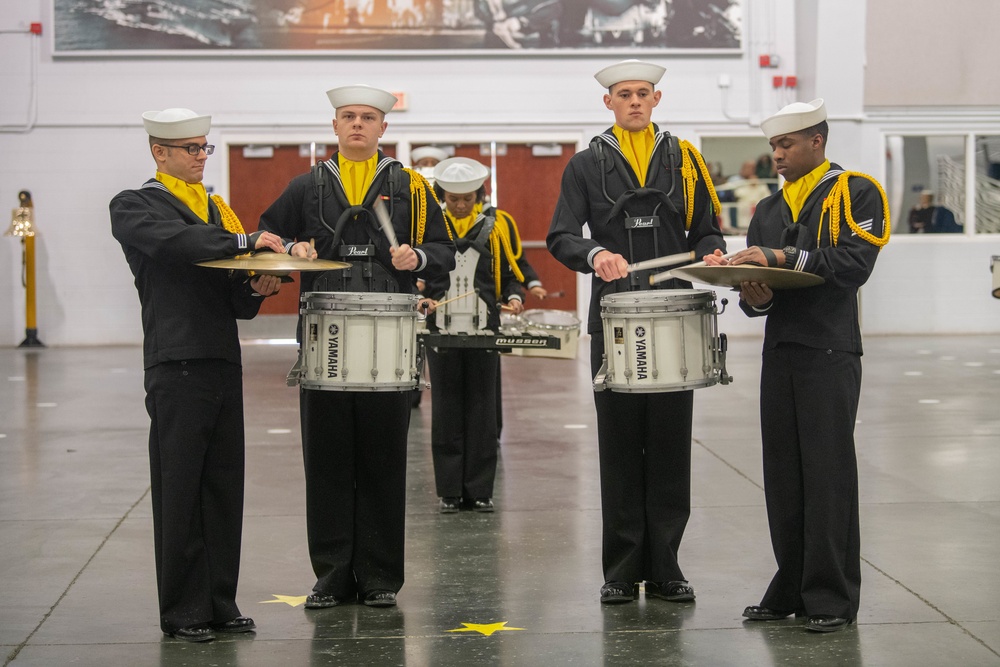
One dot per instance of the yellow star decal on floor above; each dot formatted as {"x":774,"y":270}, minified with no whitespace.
{"x":484,"y":628}
{"x":290,"y":600}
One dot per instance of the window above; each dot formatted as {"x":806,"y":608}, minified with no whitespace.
{"x":925,"y":183}
{"x":987,"y":184}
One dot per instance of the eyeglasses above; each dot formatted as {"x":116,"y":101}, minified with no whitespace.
{"x":193,"y":149}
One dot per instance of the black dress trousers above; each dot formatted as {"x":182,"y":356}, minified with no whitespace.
{"x":464,"y":421}
{"x":808,"y":409}
{"x":645,"y":454}
{"x":196,"y":461}
{"x":354,"y":451}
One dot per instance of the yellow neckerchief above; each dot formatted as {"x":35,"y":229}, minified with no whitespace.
{"x":796,"y":192}
{"x":193,"y":195}
{"x":463,"y":225}
{"x":637,"y":148}
{"x":356,"y":177}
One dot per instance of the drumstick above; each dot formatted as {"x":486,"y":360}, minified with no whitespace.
{"x":454,"y":298}
{"x":385,"y":222}
{"x":555,"y":295}
{"x":667,"y":275}
{"x":668,"y":260}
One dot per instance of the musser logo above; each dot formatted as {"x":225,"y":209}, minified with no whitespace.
{"x":522,"y":342}
{"x":333,"y":352}
{"x":641,"y":372}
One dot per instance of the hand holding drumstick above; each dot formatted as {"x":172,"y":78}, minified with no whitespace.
{"x":428,"y":306}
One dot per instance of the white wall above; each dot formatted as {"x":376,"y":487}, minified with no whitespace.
{"x":86,"y":143}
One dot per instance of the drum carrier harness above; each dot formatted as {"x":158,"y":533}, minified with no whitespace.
{"x":671,"y":160}
{"x":468,"y":314}
{"x":365,"y":274}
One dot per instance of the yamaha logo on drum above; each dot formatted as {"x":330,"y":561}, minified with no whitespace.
{"x":333,"y":352}
{"x":641,"y":372}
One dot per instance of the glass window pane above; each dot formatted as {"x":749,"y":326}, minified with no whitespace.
{"x":744,"y":174}
{"x":926,"y":183}
{"x":988,"y":184}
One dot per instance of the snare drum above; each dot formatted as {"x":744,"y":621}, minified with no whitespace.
{"x":661,"y":340}
{"x":354,"y":341}
{"x":560,"y":323}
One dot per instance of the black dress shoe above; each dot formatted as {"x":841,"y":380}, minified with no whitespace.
{"x":322,"y":601}
{"x":239,"y":624}
{"x":615,"y":592}
{"x":756,"y":613}
{"x":193,"y":634}
{"x":380,"y":599}
{"x":482,"y":505}
{"x":671,"y":591}
{"x":450,"y":505}
{"x":826,"y":623}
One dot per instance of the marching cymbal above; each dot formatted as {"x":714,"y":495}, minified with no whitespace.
{"x":732,"y":276}
{"x":274,"y":263}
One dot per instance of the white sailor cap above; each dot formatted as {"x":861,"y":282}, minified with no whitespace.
{"x":630,"y":70}
{"x":793,"y":118}
{"x":176,"y":124}
{"x":460,"y":175}
{"x":361,"y":94}
{"x":418,"y":154}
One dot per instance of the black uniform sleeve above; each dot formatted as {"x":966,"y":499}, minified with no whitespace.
{"x":849,"y":263}
{"x":565,"y":239}
{"x":170,"y":239}
{"x":283,"y":217}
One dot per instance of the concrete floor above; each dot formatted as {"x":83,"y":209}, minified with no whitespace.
{"x":76,"y":562}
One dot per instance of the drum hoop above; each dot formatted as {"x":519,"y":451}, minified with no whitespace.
{"x":385,"y":304}
{"x":353,"y":312}
{"x":656,"y":300}
{"x":526,"y":318}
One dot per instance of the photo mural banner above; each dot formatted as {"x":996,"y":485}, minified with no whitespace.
{"x":288,"y":27}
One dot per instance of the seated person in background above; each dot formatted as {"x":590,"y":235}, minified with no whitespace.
{"x":748,"y":190}
{"x":926,"y":218}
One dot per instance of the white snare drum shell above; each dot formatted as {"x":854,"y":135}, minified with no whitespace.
{"x":358,"y":341}
{"x":660,"y":340}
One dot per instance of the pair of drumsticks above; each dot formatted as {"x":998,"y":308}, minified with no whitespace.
{"x":668,"y":260}
{"x":462,"y":296}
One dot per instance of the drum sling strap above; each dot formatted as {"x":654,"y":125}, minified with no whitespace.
{"x":481,"y":241}
{"x":670,"y":157}
{"x":365,"y":274}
